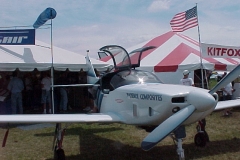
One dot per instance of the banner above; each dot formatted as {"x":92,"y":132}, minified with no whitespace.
{"x":219,"y":51}
{"x":17,"y":37}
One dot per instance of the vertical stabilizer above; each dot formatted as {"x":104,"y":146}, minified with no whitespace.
{"x":91,"y":75}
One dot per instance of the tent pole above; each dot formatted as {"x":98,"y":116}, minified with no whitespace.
{"x":52,"y":75}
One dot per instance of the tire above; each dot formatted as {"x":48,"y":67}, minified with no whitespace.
{"x":200,"y":139}
{"x":59,"y":154}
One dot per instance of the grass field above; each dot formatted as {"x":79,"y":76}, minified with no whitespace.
{"x":121,"y":142}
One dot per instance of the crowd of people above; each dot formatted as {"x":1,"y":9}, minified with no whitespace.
{"x":31,"y":92}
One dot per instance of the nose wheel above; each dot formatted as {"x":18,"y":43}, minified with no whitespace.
{"x":201,"y":138}
{"x":59,"y":154}
{"x":177,"y":137}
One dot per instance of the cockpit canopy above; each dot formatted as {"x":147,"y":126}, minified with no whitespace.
{"x":121,"y":58}
{"x":123,"y":64}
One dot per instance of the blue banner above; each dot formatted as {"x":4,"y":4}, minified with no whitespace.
{"x":17,"y":37}
{"x":47,"y":14}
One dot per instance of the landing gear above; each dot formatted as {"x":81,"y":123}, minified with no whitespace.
{"x":180,"y":150}
{"x":59,"y":154}
{"x":179,"y":134}
{"x":201,"y":138}
{"x":57,"y":143}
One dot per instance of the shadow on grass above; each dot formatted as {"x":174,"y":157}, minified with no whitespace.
{"x":93,"y":147}
{"x":85,"y":132}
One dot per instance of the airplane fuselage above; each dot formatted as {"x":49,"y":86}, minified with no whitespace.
{"x":153,"y":103}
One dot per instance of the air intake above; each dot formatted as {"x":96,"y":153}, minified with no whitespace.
{"x":178,"y":99}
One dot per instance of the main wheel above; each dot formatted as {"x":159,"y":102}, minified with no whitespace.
{"x":59,"y":154}
{"x":200,"y":139}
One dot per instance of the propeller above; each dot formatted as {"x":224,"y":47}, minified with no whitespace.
{"x":227,"y":79}
{"x":166,"y":127}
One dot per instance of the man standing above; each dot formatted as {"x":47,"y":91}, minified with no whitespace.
{"x":46,"y":95}
{"x":186,"y":80}
{"x":29,"y":91}
{"x":62,"y":80}
{"x":227,"y":95}
{"x":16,"y":86}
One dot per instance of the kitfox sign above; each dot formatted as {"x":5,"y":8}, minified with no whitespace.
{"x":219,"y":51}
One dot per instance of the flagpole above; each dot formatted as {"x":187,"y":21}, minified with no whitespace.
{"x":199,"y":40}
{"x":48,"y":13}
{"x":52,"y":75}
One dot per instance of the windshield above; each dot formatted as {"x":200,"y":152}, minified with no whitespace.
{"x":127,"y":77}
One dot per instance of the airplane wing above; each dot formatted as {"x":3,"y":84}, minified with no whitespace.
{"x":59,"y":118}
{"x":227,"y":104}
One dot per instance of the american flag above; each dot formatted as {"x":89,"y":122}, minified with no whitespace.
{"x":184,"y":20}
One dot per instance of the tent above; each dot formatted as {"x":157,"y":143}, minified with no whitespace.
{"x":178,"y":52}
{"x":174,"y":53}
{"x":39,"y":56}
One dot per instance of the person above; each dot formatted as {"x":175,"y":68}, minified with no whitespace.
{"x":93,"y":95}
{"x":227,"y":95}
{"x":46,"y":95}
{"x":37,"y":90}
{"x":227,"y":92}
{"x":201,"y":123}
{"x":92,"y":98}
{"x":16,"y":87}
{"x":29,"y":91}
{"x":186,"y":80}
{"x":62,"y":80}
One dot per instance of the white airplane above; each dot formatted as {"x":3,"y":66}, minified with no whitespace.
{"x":130,"y":96}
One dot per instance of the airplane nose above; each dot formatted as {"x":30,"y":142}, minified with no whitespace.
{"x":203,"y":101}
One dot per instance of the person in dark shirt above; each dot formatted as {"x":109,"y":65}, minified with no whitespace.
{"x":16,"y":87}
{"x":63,"y":80}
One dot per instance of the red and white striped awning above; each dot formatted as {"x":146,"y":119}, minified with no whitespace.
{"x":176,"y":51}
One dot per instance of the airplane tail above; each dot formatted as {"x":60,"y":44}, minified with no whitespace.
{"x":91,"y":75}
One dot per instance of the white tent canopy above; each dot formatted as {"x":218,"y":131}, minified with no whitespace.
{"x":39,"y":56}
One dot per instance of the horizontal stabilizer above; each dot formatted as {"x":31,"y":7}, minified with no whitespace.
{"x":76,"y":85}
{"x":227,"y":104}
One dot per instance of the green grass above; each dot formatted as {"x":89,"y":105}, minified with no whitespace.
{"x":121,"y":142}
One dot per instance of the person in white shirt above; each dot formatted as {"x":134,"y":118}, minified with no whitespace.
{"x":186,"y":80}
{"x":227,"y":92}
{"x":46,"y":96}
{"x":227,"y":95}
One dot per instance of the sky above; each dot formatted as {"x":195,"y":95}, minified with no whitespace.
{"x":82,"y":25}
